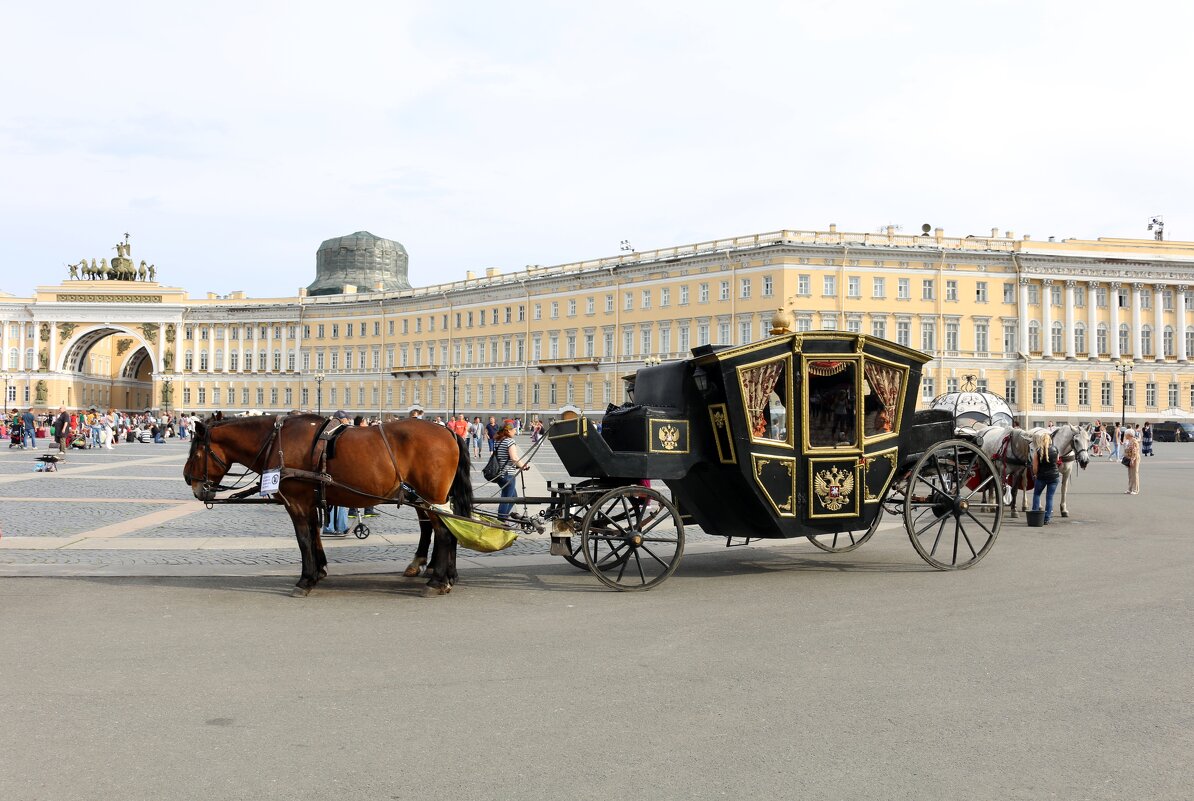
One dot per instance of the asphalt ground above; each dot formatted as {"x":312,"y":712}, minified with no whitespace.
{"x":1059,"y":667}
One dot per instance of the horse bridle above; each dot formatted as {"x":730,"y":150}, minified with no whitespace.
{"x":210,"y":487}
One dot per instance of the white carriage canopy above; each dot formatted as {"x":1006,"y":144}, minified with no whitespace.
{"x":972,"y":406}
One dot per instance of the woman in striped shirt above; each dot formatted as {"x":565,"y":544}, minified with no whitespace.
{"x":508,"y":458}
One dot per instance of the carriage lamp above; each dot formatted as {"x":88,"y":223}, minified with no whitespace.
{"x":1124,"y":368}
{"x":701,"y":379}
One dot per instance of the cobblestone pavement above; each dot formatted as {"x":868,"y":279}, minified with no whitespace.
{"x":127,"y":511}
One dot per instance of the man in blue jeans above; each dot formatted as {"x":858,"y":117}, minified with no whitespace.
{"x":30,"y":438}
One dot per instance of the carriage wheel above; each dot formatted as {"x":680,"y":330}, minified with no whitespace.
{"x":842,"y":541}
{"x":621,"y":530}
{"x":950,"y":524}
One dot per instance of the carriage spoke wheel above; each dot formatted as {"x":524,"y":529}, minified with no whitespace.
{"x":632,"y":538}
{"x":952,"y":505}
{"x":843,"y":541}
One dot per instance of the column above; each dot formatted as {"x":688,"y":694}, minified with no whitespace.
{"x":52,"y":346}
{"x":1069,"y":320}
{"x":282,"y":345}
{"x":1092,"y":321}
{"x":4,"y":347}
{"x":298,"y":347}
{"x":1022,"y":324}
{"x":1136,"y":354}
{"x":1113,"y":302}
{"x":224,"y":346}
{"x":211,"y":348}
{"x":23,"y":337}
{"x":1179,"y":306}
{"x":240,"y":350}
{"x":269,"y":348}
{"x":1159,"y":322}
{"x":160,"y":364}
{"x":1047,"y":318}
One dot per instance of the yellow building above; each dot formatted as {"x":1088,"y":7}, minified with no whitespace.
{"x":1060,"y":328}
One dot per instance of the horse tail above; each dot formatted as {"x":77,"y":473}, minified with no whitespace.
{"x":461,"y":492}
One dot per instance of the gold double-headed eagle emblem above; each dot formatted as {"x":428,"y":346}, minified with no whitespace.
{"x":833,"y":487}
{"x":669,"y":438}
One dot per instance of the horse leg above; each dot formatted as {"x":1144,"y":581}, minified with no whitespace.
{"x":425,"y":529}
{"x":1065,"y":483}
{"x":321,"y":559}
{"x":442,"y":570}
{"x":302,"y":531}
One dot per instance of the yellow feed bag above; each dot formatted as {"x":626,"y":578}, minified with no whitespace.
{"x":476,"y":536}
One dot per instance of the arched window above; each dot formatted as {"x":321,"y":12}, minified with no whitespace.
{"x":30,"y":364}
{"x":1146,"y":340}
{"x":1080,"y":338}
{"x":1167,"y":340}
{"x":202,"y":361}
{"x":1034,"y":336}
{"x":1124,"y":339}
{"x":14,"y":357}
{"x":1101,"y":340}
{"x":188,"y":361}
{"x":1056,"y":337}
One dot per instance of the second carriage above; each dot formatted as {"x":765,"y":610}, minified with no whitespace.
{"x":811,"y":434}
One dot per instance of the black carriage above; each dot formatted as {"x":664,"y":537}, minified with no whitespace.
{"x":811,"y":434}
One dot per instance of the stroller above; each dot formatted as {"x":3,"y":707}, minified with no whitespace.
{"x":16,"y":437}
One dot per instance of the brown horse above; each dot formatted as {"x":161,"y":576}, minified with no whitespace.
{"x":368,"y":465}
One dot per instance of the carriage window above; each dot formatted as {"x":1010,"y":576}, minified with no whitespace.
{"x":880,"y":407}
{"x":765,"y":395}
{"x":832,"y":404}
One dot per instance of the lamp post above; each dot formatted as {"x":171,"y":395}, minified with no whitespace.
{"x":454,"y":374}
{"x":319,"y":377}
{"x":1124,"y":368}
{"x":7,"y":381}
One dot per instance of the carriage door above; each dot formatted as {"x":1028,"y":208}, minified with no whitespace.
{"x":766,"y":392}
{"x":880,"y":409}
{"x":832,"y":437}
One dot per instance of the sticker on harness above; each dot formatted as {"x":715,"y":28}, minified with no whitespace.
{"x":270,"y":481}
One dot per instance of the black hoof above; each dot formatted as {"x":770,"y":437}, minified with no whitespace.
{"x":300,"y":592}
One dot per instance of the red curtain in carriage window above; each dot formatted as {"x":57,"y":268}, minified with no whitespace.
{"x":757,"y":385}
{"x":885,"y":381}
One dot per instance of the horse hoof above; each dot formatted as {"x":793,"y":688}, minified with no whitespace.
{"x":415,"y":567}
{"x":300,"y":592}
{"x":323,"y":572}
{"x":1065,"y":514}
{"x":435,"y":592}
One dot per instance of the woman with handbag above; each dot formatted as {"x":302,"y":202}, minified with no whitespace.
{"x":1131,"y":460}
{"x":508,"y":458}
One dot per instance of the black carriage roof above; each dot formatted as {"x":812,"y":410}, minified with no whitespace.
{"x":808,"y":341}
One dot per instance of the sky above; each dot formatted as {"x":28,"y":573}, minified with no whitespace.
{"x":231,"y":138}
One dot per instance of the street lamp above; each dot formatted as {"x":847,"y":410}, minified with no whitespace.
{"x":1124,"y":368}
{"x":454,"y":374}
{"x":7,"y":381}
{"x":319,"y":377}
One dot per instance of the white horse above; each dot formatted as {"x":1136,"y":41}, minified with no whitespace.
{"x":1011,"y":451}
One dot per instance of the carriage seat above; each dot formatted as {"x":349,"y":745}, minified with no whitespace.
{"x":627,"y":427}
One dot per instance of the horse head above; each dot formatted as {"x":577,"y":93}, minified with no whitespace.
{"x":206,"y":465}
{"x":1081,"y":446}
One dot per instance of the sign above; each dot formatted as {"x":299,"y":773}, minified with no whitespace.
{"x":270,"y":481}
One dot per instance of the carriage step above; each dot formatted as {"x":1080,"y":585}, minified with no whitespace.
{"x":559,"y":546}
{"x":745,"y":541}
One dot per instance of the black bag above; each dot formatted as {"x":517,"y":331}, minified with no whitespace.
{"x":1126,"y":461}
{"x":493,"y":468}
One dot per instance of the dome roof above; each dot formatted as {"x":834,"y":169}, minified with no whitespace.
{"x":971,"y":407}
{"x":362,"y":260}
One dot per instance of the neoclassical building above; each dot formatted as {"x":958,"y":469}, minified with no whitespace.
{"x":1063,"y":329}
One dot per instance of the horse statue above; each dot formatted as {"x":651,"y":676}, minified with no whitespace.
{"x":368,"y":465}
{"x":1011,"y":451}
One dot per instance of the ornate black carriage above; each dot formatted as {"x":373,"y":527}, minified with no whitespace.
{"x":810,"y":434}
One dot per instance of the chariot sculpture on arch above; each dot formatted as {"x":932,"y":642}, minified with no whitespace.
{"x":122,"y":267}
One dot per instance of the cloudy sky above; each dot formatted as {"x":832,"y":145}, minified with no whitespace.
{"x":231,"y":138}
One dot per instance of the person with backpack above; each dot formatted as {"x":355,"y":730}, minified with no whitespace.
{"x":510,"y":464}
{"x":1045,"y":466}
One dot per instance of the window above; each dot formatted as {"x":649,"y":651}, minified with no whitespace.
{"x":1101,"y":340}
{"x":1009,"y":392}
{"x":1009,"y":292}
{"x":743,"y":332}
{"x":376,"y":328}
{"x":1010,"y":338}
{"x":904,"y":333}
{"x":744,"y":288}
{"x":928,"y":336}
{"x":980,"y":337}
{"x":1146,"y":299}
{"x":233,"y":361}
{"x":768,"y":286}
{"x":684,"y":295}
{"x":926,"y":289}
{"x":1123,"y":339}
{"x":590,"y":306}
{"x":335,"y":330}
{"x":951,"y":336}
{"x":1055,"y":340}
{"x":1101,"y":297}
{"x":723,"y":334}
{"x":1079,"y":338}
{"x":665,"y":296}
{"x":702,"y":333}
{"x":878,"y":288}
{"x":347,"y":331}
{"x":829,"y":285}
{"x":1146,"y":340}
{"x":1034,"y":295}
{"x":202,"y":360}
{"x":1054,"y":295}
{"x":766,"y":400}
{"x":555,"y":310}
{"x":980,"y":291}
{"x":927,"y":392}
{"x":703,"y":293}
{"x":723,"y":290}
{"x":1038,"y":391}
{"x":854,"y":287}
{"x":1084,"y":394}
{"x":1173,"y":389}
{"x":1034,"y":336}
{"x":904,"y":288}
{"x":1131,"y":388}
{"x":1150,"y":395}
{"x":1060,"y":392}
{"x":318,"y":332}
{"x":951,"y":290}
{"x":803,"y":285}
{"x":645,"y":341}
{"x":188,"y":361}
{"x":1167,"y":299}
{"x":1080,"y":297}
{"x":1167,"y":343}
{"x":628,"y":301}
{"x":1122,"y":298}
{"x":879,"y":329}
{"x":646,"y":301}
{"x":537,"y":312}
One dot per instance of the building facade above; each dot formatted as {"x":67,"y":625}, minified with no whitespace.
{"x":1068,"y":330}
